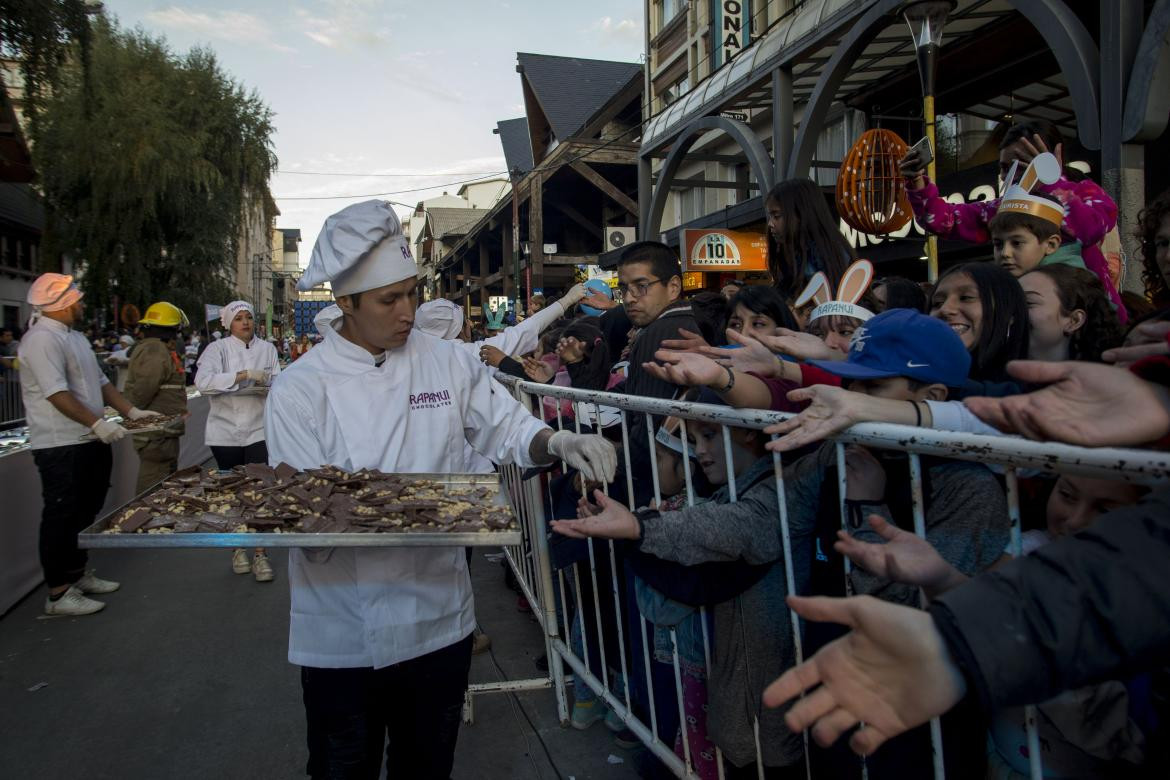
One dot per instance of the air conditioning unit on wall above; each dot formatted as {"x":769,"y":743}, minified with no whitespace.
{"x":617,"y":237}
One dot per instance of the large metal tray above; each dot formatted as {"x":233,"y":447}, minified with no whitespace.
{"x":94,"y":538}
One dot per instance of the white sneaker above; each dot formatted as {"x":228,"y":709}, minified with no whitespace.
{"x":73,"y":603}
{"x":240,"y":562}
{"x":92,"y":584}
{"x":261,"y":568}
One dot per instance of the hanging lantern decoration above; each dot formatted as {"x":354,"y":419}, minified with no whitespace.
{"x":871,"y":193}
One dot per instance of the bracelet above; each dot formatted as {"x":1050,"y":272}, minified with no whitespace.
{"x":917,"y":413}
{"x":730,"y":379}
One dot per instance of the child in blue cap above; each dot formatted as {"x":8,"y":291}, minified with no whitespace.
{"x":901,"y":355}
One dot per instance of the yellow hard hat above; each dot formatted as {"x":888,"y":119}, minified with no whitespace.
{"x":164,"y":315}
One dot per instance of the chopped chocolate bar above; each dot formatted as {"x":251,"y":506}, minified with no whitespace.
{"x":135,"y":519}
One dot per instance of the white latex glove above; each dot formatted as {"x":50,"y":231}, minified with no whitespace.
{"x":257,"y":375}
{"x":575,"y":294}
{"x":107,"y":431}
{"x":137,"y":414}
{"x":590,"y":454}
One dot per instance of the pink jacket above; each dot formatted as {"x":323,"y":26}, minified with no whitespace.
{"x":1090,"y":214}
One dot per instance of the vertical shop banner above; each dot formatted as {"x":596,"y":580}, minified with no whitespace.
{"x":732,"y":26}
{"x":717,"y":250}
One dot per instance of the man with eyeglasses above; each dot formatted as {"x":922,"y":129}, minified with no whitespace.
{"x":650,"y":280}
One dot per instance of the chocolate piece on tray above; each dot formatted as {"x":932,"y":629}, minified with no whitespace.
{"x":162,"y":521}
{"x":131,"y":522}
{"x":186,"y":525}
{"x":263,"y":522}
{"x":284,"y":472}
{"x":312,"y":524}
{"x":215,"y":524}
{"x":260,"y":471}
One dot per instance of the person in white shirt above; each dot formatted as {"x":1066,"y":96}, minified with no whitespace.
{"x":383,"y":635}
{"x":228,"y":372}
{"x":65,"y":394}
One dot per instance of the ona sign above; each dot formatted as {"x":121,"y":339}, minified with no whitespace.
{"x":732,"y":26}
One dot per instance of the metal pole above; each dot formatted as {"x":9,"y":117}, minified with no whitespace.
{"x":932,"y":239}
{"x":516,"y":238}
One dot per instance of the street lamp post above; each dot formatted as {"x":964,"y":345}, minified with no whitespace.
{"x":926,"y":19}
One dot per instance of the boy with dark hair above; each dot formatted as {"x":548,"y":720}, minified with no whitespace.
{"x":1026,"y":234}
{"x":900,"y":354}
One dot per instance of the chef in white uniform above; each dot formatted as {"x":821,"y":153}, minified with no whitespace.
{"x":235,"y":420}
{"x":64,"y":394}
{"x":383,"y":635}
{"x":445,"y":319}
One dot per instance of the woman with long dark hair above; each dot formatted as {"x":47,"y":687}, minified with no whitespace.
{"x":986,"y":308}
{"x":803,"y":237}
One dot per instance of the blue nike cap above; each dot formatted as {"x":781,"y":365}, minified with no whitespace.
{"x":904,"y":342}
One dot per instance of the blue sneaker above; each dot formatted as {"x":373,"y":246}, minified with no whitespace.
{"x":586,"y":713}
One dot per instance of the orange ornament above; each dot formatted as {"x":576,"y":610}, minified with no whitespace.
{"x":871,"y":193}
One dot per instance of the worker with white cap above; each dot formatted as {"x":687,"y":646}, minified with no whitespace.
{"x":445,"y":319}
{"x":229,"y":371}
{"x":64,"y":394}
{"x":383,"y":635}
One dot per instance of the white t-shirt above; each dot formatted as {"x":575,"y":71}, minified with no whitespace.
{"x":54,"y":357}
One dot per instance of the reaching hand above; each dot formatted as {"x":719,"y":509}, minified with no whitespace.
{"x":830,"y":411}
{"x":802,"y":346}
{"x":904,"y":557}
{"x":1147,"y":339}
{"x":1027,"y":150}
{"x":538,"y":370}
{"x":575,"y":294}
{"x":599,"y":300}
{"x":257,"y":375}
{"x":137,"y":414}
{"x":913,"y":170}
{"x":611,"y":521}
{"x":592,"y":455}
{"x":491,"y":356}
{"x":751,"y":356}
{"x":892,"y":672}
{"x":686,"y":368}
{"x":1089,"y":404}
{"x":690,"y":342}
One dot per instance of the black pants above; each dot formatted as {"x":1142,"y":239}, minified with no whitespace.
{"x":416,"y":705}
{"x":74,"y":482}
{"x":230,"y":457}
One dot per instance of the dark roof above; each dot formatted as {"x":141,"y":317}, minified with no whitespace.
{"x":20,"y":205}
{"x":517,"y":145}
{"x":452,"y":222}
{"x":570,"y":90}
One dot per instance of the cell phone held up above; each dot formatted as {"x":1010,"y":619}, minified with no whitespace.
{"x":924,"y":151}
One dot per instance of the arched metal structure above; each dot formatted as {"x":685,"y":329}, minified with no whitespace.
{"x":1147,"y":99}
{"x":757,"y":158}
{"x":1074,"y":49}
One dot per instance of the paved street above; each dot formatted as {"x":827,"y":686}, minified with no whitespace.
{"x":184,"y":675}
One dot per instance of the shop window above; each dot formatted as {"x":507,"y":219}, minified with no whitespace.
{"x":676,"y":90}
{"x":691,"y":202}
{"x":670,"y":9}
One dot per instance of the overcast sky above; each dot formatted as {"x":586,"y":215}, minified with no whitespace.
{"x":383,"y":86}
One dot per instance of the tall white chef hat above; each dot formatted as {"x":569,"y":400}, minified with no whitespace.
{"x":229,"y":312}
{"x":360,"y":248}
{"x":439,"y":317}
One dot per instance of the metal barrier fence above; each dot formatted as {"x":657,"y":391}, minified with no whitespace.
{"x":11,"y":402}
{"x":558,"y":596}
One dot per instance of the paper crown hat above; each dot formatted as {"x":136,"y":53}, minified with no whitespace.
{"x":854,"y":282}
{"x":1017,"y":197}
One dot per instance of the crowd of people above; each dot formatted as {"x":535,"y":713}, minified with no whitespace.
{"x":1035,"y":340}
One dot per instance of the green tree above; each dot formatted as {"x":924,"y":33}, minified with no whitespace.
{"x":41,"y":35}
{"x":146,"y":182}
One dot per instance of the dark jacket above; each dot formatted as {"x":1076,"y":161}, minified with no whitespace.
{"x":642,"y":384}
{"x":1091,"y":607}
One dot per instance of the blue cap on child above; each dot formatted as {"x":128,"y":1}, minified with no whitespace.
{"x":904,"y":342}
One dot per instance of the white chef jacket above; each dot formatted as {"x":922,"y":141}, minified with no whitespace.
{"x":373,"y":607}
{"x":234,"y":420}
{"x":55,"y":357}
